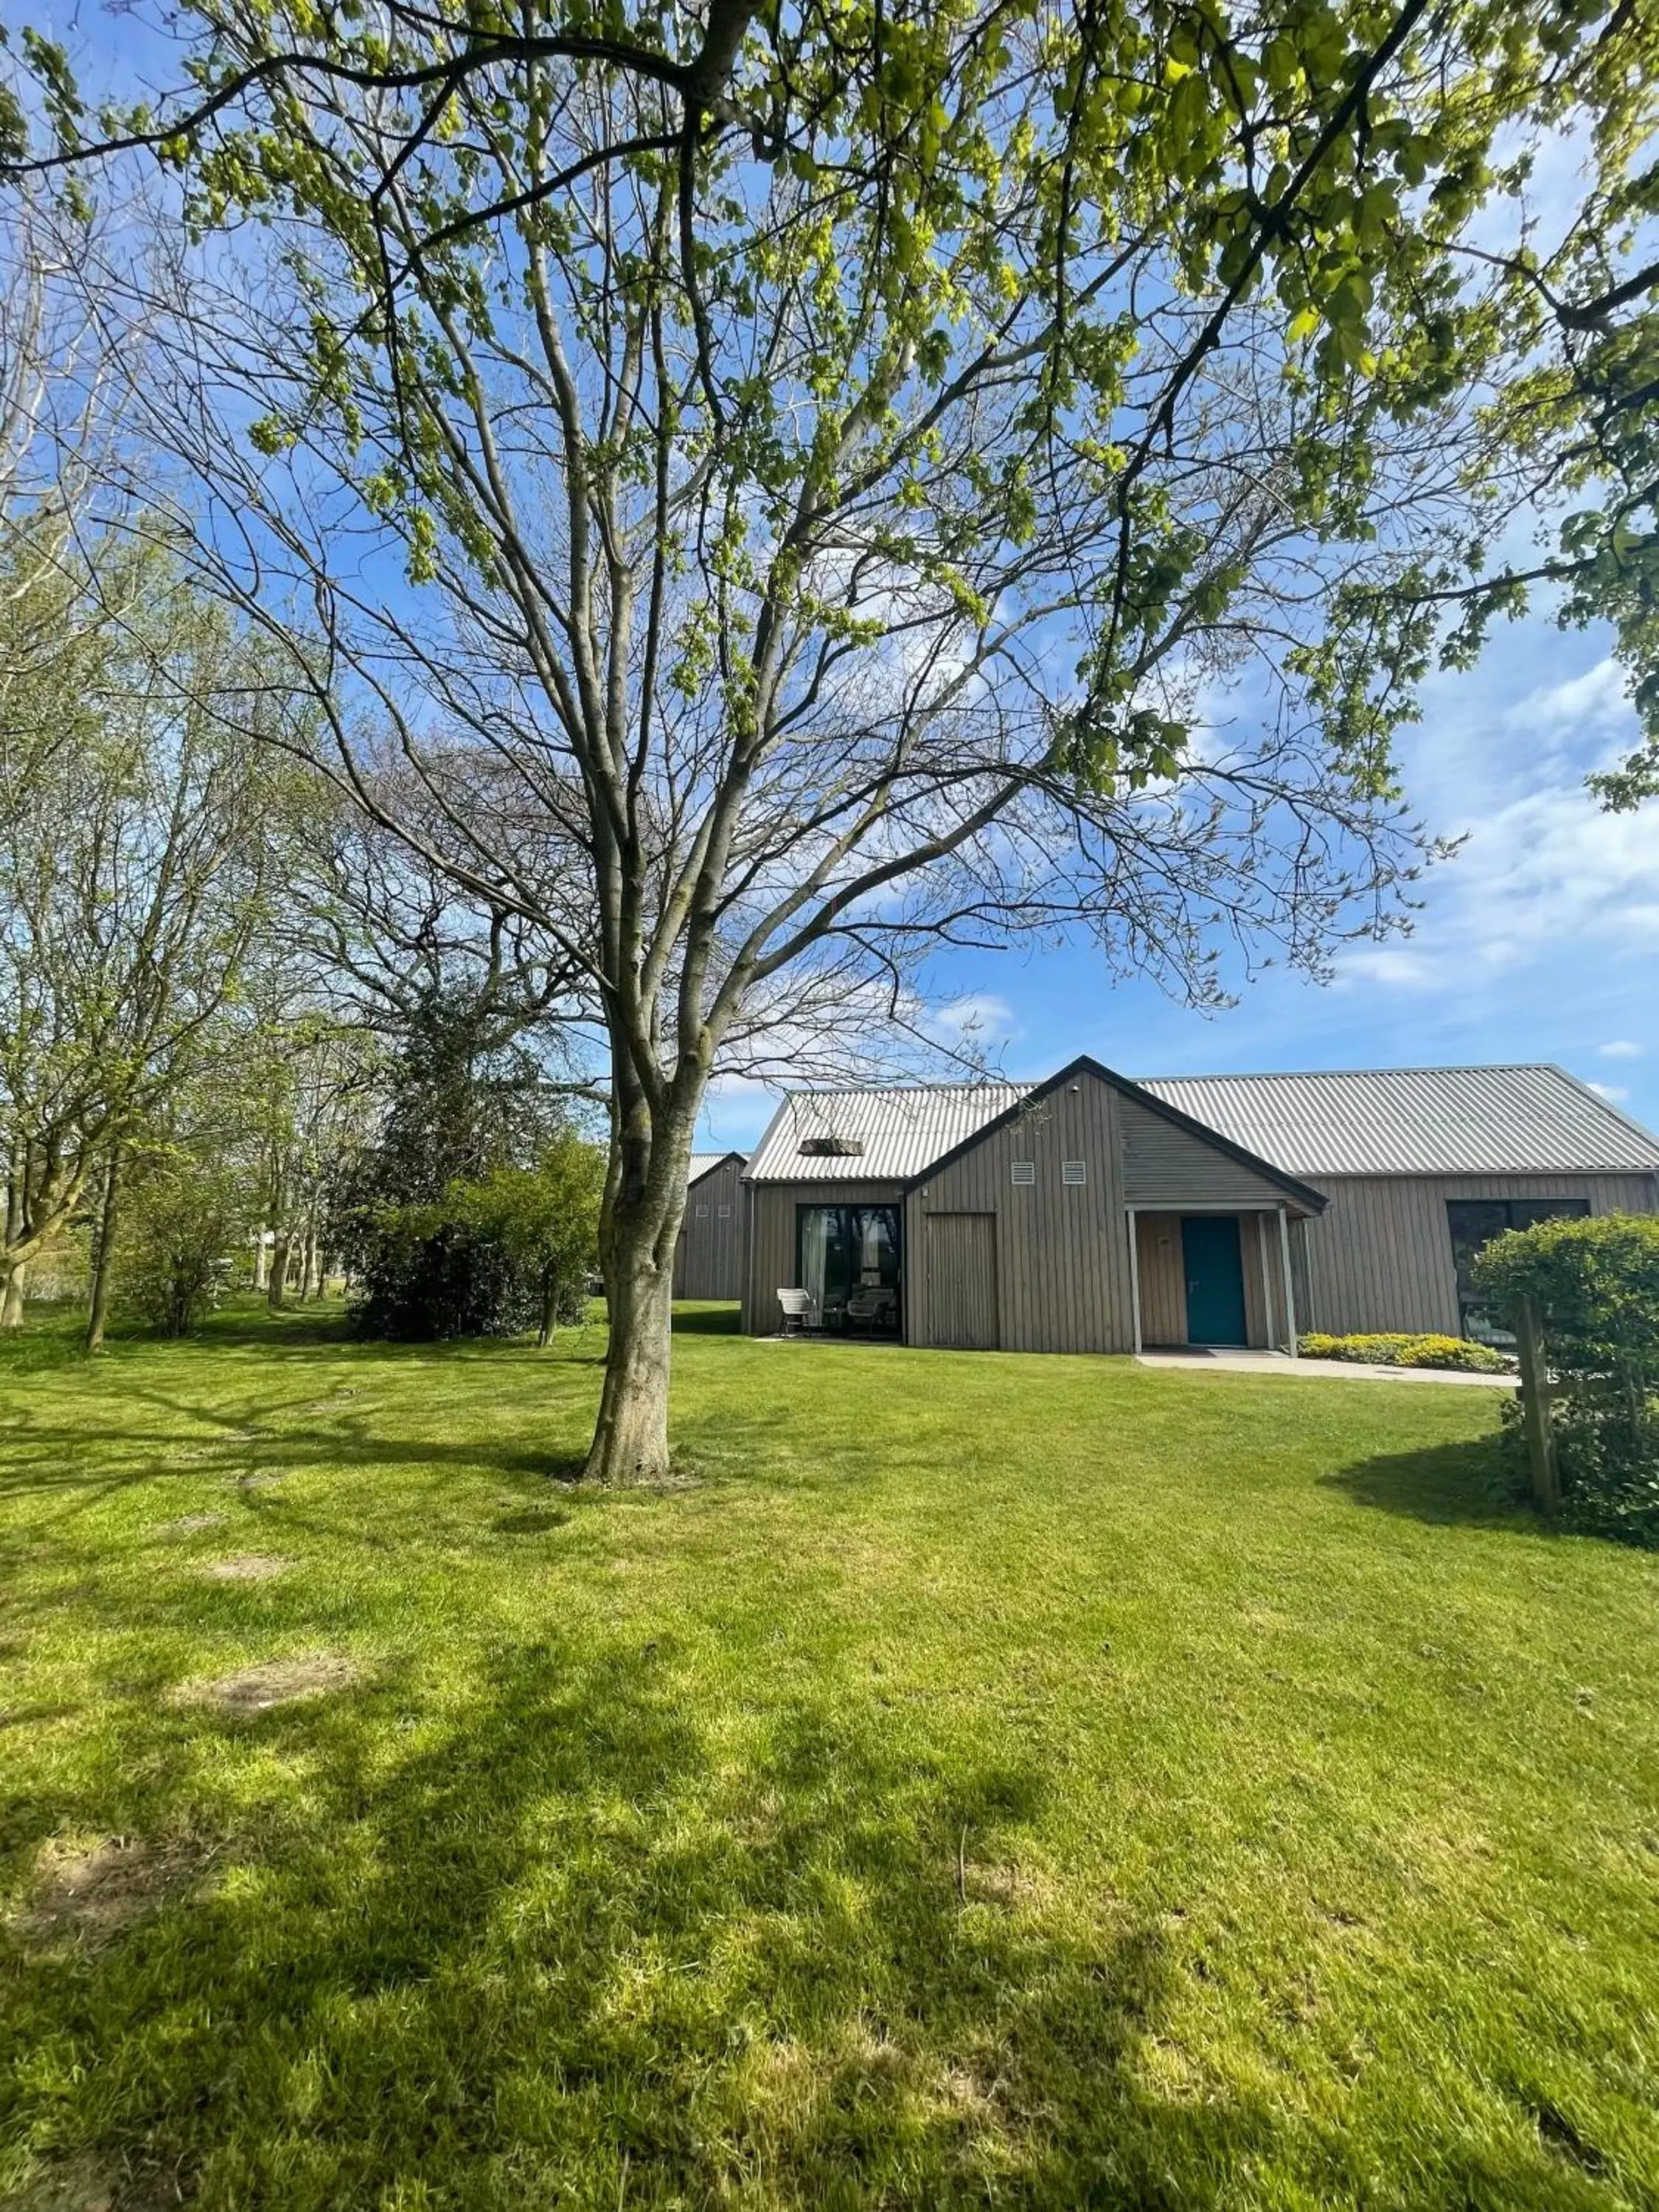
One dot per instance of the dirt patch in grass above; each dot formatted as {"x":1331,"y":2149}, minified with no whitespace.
{"x":188,"y":1524}
{"x":94,"y":1891}
{"x":247,"y":1567}
{"x":70,"y":2185}
{"x":277,"y":1682}
{"x":259,"y":1481}
{"x":85,"y":2182}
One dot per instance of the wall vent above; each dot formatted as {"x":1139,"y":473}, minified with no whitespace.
{"x":1024,"y":1171}
{"x":702,"y":1213}
{"x":724,"y":1212}
{"x":1074,"y":1172}
{"x":831,"y":1148}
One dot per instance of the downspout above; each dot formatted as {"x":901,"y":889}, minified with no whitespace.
{"x":1134,"y":1276}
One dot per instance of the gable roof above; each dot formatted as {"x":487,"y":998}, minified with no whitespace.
{"x":1084,"y":1063}
{"x":704,"y":1163}
{"x":1417,"y":1121}
{"x":904,"y":1135}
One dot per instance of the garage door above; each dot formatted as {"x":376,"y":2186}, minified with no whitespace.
{"x":962,"y":1281}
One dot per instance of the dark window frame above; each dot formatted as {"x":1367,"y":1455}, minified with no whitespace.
{"x":893,"y":1208}
{"x":1517,"y":1214}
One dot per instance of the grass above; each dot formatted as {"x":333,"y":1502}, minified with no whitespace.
{"x":991,"y":1782}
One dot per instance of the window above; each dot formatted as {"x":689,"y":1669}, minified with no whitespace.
{"x":831,"y":1148}
{"x":1474,"y":1221}
{"x":724,"y":1212}
{"x":1025,"y":1172}
{"x":847,"y":1258}
{"x":1074,"y":1172}
{"x":702,"y":1213}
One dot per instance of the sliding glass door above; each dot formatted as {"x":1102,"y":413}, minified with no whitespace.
{"x":847,"y":1258}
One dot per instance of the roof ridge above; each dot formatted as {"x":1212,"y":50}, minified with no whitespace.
{"x":897,"y":1090}
{"x":1418,"y":1067}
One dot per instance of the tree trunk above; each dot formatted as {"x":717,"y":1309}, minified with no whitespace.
{"x":630,"y":1439}
{"x":102,"y":1254}
{"x":549,"y":1301}
{"x":11,"y":1298}
{"x":261,"y":1261}
{"x":277,"y":1289}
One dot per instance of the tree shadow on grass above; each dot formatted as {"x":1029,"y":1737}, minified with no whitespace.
{"x":553,"y":1951}
{"x":704,"y":1318}
{"x":563,"y":1936}
{"x":1469,"y":1483}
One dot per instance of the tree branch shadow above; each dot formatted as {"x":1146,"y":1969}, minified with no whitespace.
{"x":557,"y":1903}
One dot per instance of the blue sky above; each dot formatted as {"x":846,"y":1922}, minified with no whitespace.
{"x":1539,"y":940}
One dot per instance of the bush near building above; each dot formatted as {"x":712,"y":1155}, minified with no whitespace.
{"x":1594,"y":1284}
{"x":1429,"y":1351}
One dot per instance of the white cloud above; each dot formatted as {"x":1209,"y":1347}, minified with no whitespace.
{"x":978,"y":1016}
{"x":1386,"y":964}
{"x":1619,"y":1049}
{"x":1544,"y":870}
{"x":1613,"y":1092}
{"x":1590,"y":704}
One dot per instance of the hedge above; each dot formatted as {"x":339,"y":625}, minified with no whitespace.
{"x":1594,"y":1283}
{"x":1427,"y":1350}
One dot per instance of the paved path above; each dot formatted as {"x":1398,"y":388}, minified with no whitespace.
{"x":1330,"y":1370}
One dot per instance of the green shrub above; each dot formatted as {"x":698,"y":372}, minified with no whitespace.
{"x":1427,"y":1350}
{"x":185,"y":1222}
{"x":1595,"y":1285}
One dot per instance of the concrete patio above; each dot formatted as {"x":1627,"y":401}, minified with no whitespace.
{"x":1343,"y":1370}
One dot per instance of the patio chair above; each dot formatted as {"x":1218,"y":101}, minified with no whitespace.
{"x":871,"y":1308}
{"x":800,"y":1312}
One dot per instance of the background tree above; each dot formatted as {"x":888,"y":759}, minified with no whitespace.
{"x":186,"y":1224}
{"x":835,"y":462}
{"x":544,"y":1220}
{"x":141,"y":846}
{"x":446,"y":1218}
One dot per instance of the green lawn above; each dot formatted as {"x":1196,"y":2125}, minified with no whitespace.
{"x":985,"y":1781}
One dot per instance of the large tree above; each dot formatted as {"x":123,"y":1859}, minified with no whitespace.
{"x":795,"y":486}
{"x":141,"y":848}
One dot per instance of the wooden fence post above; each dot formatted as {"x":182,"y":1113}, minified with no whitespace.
{"x":1535,"y":1409}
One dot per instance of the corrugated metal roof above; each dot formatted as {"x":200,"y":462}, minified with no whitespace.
{"x":1416,"y":1121}
{"x":703,"y":1162}
{"x":899,"y":1132}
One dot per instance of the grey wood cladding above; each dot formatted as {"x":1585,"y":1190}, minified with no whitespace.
{"x":711,"y":1256}
{"x":1062,"y":1249}
{"x":1380,"y":1257}
{"x":962,"y":1280}
{"x":1163,"y":1165}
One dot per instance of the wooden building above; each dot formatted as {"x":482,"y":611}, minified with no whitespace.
{"x":1091,"y":1214}
{"x":710,"y":1258}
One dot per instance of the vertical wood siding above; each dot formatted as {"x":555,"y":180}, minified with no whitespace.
{"x":772,"y":1240}
{"x":1162,"y":1280}
{"x":961,"y":1269}
{"x":1380,"y":1257}
{"x":1062,"y":1250}
{"x":711,"y":1258}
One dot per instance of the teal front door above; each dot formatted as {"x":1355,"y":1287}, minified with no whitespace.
{"x":1215,"y":1279}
